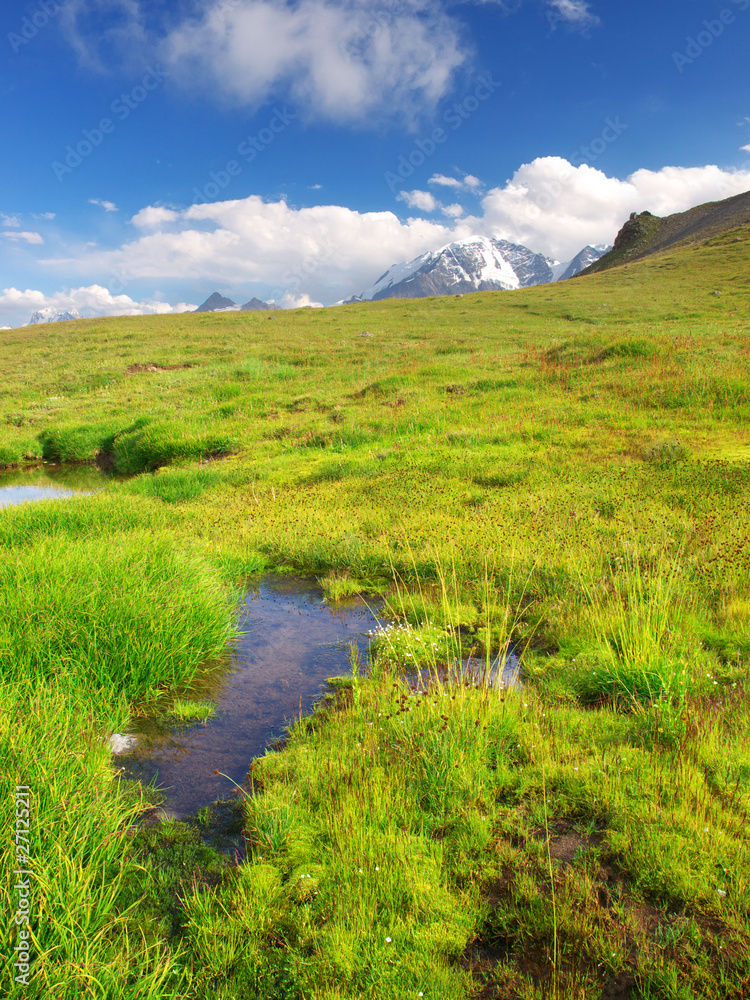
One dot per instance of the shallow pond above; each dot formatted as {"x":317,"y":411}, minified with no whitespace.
{"x":295,"y":640}
{"x":48,"y":482}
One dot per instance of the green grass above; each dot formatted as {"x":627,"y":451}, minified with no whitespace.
{"x":127,"y":613}
{"x":565,"y":469}
{"x":189,"y":711}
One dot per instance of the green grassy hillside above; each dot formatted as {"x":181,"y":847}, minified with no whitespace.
{"x":566,"y":467}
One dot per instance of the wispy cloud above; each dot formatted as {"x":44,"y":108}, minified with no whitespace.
{"x":466,"y":183}
{"x":443,"y":181}
{"x":576,"y":13}
{"x":46,"y":216}
{"x":108,"y":206}
{"x":26,"y":237}
{"x":745,"y":149}
{"x":9,"y":220}
{"x":125,"y":34}
{"x":339,"y":60}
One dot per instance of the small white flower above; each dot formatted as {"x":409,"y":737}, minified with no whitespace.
{"x":387,"y":940}
{"x":721,"y":892}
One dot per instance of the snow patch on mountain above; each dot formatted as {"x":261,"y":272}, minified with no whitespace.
{"x":474,"y":264}
{"x":587,"y":256}
{"x":51,"y":315}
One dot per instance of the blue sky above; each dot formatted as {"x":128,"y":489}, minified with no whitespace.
{"x":156,"y":152}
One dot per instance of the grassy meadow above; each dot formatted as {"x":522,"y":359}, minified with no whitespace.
{"x":566,"y":468}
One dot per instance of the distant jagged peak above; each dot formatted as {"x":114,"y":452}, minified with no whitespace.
{"x":215,"y":302}
{"x":471,"y":264}
{"x":51,"y":315}
{"x":584,"y":258}
{"x":256,"y":303}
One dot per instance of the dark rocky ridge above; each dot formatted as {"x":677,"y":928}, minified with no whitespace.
{"x":645,"y":234}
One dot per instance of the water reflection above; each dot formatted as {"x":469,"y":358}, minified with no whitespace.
{"x":294,"y":642}
{"x":48,"y":482}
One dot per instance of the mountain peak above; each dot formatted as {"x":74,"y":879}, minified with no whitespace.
{"x":51,"y":315}
{"x":644,"y":234}
{"x":584,"y":258}
{"x":214,"y":302}
{"x":471,"y":264}
{"x":255,"y":303}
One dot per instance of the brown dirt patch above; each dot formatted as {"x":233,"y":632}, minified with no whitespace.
{"x":137,"y":369}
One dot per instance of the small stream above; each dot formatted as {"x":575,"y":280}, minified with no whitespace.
{"x":295,"y":640}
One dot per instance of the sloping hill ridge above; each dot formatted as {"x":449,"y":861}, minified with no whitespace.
{"x":645,"y":234}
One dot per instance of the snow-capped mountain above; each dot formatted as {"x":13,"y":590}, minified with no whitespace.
{"x":476,"y":264}
{"x":587,"y":256}
{"x":532,"y":268}
{"x":51,"y":315}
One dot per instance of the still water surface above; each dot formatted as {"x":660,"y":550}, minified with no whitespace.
{"x":48,"y":482}
{"x":294,"y":642}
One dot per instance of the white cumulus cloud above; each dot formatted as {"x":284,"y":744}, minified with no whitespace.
{"x":325,"y":253}
{"x":339,"y":60}
{"x":745,"y":149}
{"x":443,"y":181}
{"x":556,"y":208}
{"x":466,"y":183}
{"x":92,"y":300}
{"x":154,"y":216}
{"x":422,"y":200}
